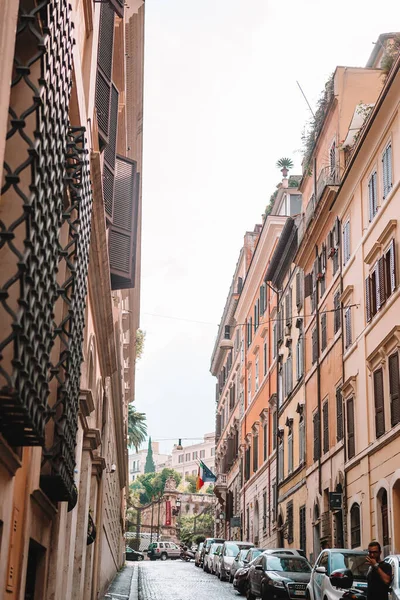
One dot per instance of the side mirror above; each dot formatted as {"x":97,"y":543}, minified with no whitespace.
{"x":320,"y":570}
{"x":342,"y":578}
{"x":259,"y":568}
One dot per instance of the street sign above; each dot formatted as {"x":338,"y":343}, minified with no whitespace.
{"x":335,"y":500}
{"x":235,"y":522}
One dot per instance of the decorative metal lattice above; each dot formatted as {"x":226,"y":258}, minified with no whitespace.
{"x":57,"y":477}
{"x":32,"y":203}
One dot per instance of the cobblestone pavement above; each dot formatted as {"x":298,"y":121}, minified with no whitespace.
{"x":124,"y":586}
{"x":177,"y":580}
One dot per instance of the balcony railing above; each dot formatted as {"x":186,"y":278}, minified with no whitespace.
{"x":327,"y":176}
{"x":221,"y":480}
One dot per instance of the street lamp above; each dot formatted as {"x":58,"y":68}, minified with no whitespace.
{"x":179,"y":446}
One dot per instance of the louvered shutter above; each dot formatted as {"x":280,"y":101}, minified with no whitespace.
{"x":336,"y":232}
{"x":350,"y":429}
{"x":308,"y":285}
{"x":392,"y":266}
{"x":368,"y":298}
{"x":316,"y":427}
{"x":298,"y":289}
{"x":262,"y":299}
{"x":123,"y":231}
{"x":394,"y":389}
{"x":375,"y":191}
{"x":385,"y":174}
{"x":347,"y":321}
{"x":389,"y":167}
{"x":218,"y":426}
{"x":381,"y":279}
{"x":325,"y":417}
{"x":104,"y":71}
{"x":339,"y":415}
{"x":289,"y":310}
{"x":314,"y":346}
{"x":118,"y":6}
{"x":289,"y":519}
{"x":323,"y":258}
{"x":323,"y":332}
{"x":110,"y":156}
{"x":379,"y":403}
{"x":346,"y":241}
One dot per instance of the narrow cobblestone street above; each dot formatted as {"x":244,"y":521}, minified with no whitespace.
{"x":177,"y":580}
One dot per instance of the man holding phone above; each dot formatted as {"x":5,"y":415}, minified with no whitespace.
{"x":379,"y":574}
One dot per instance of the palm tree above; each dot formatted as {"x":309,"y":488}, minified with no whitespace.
{"x":284,"y":164}
{"x":137,"y":427}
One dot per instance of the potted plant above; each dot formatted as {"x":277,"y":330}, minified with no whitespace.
{"x":284,"y":164}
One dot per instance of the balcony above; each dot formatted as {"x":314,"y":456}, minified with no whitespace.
{"x":221,"y":483}
{"x":327,"y":176}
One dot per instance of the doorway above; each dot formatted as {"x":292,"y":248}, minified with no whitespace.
{"x":34,"y":585}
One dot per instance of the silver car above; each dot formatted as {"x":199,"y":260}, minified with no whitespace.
{"x":320,"y":587}
{"x":215,"y":560}
{"x":229,"y":551}
{"x":209,"y":558}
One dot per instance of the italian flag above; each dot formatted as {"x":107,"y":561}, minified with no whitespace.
{"x":199,"y":480}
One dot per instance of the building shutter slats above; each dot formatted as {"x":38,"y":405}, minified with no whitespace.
{"x":308,"y":285}
{"x":110,"y":156}
{"x":350,"y":428}
{"x":316,"y":431}
{"x":379,"y":403}
{"x":122,"y":237}
{"x":394,"y":389}
{"x":104,"y":70}
{"x":325,"y":418}
{"x":368,"y":298}
{"x":392,"y":266}
{"x":381,"y":278}
{"x":314,"y":346}
{"x":339,"y":415}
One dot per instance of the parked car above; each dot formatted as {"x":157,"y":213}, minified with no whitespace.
{"x":281,"y":576}
{"x":228,"y":553}
{"x":131,"y":554}
{"x":320,"y":586}
{"x":214,"y":561}
{"x":198,"y":554}
{"x":238,"y":563}
{"x":206,"y":548}
{"x":163,"y":550}
{"x":209,"y":557}
{"x":394,"y":561}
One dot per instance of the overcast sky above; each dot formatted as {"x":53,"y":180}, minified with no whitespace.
{"x":221,"y":107}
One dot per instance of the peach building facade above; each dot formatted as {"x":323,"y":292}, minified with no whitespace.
{"x":69,"y":280}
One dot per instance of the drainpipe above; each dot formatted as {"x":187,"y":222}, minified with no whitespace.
{"x":343,"y":380}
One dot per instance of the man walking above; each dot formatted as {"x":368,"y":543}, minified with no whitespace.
{"x":379,"y":574}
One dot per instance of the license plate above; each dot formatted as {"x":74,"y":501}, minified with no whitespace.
{"x":300,"y":592}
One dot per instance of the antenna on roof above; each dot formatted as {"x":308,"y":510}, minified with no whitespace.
{"x":305,"y":98}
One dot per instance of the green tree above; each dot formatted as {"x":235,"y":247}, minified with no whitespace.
{"x":285,"y":163}
{"x":149,"y":466}
{"x":191,"y":484}
{"x":137,"y":427}
{"x":194,"y":526}
{"x":150,"y":486}
{"x":140,"y":337}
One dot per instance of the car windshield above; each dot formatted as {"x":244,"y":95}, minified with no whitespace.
{"x":291,"y":564}
{"x":231,"y":549}
{"x":241,"y":555}
{"x":355,"y":562}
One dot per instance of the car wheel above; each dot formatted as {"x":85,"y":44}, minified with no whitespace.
{"x":163,"y":556}
{"x":221,"y":576}
{"x":230,"y":579}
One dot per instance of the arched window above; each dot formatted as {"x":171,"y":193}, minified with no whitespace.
{"x":355,"y":526}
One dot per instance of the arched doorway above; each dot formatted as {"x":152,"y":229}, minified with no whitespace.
{"x":382,"y":519}
{"x":316,"y":532}
{"x":256,"y":527}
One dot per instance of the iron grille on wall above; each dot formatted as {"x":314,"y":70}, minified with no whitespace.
{"x":57,"y":478}
{"x":32,"y":205}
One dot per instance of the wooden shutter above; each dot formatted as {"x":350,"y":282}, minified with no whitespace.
{"x":392,"y":266}
{"x":324,"y":339}
{"x":336,"y":232}
{"x":394,"y":389}
{"x":325,"y":418}
{"x":104,"y":71}
{"x":347,"y":321}
{"x":316,"y":427}
{"x":110,"y":156}
{"x":298,"y":289}
{"x":314,"y":345}
{"x":123,"y":231}
{"x":339,"y":415}
{"x":118,"y":6}
{"x":380,"y":283}
{"x":289,"y":520}
{"x":336,"y":306}
{"x":262,"y":299}
{"x":255,"y":453}
{"x":350,"y":428}
{"x":379,"y":403}
{"x":308,"y":285}
{"x":218,"y":425}
{"x":368,"y":298}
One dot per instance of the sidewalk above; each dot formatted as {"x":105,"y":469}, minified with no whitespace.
{"x":125,"y":584}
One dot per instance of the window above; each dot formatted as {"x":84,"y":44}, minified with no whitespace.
{"x":336,"y":306}
{"x":347,"y":324}
{"x":381,"y":282}
{"x":316,"y":427}
{"x":299,"y":295}
{"x":241,"y":352}
{"x":280,"y":461}
{"x":324,"y":336}
{"x":256,"y":315}
{"x":249,"y":389}
{"x":255,"y":453}
{"x":325,"y":421}
{"x":273,"y":501}
{"x":346,"y":242}
{"x":274,"y":430}
{"x":351,"y":450}
{"x":372,"y":196}
{"x":232,"y":396}
{"x":263,"y":298}
{"x":249,"y":331}
{"x":290,"y":451}
{"x":314,"y":343}
{"x":247,"y":464}
{"x":288,"y":308}
{"x":394,"y":389}
{"x":265,"y":442}
{"x":302,"y":527}
{"x":194,"y":455}
{"x":274,"y":334}
{"x":264,"y":517}
{"x":289,"y":520}
{"x":265,"y":355}
{"x":387,"y":170}
{"x":280,"y":318}
{"x":302,"y":440}
{"x":299,"y":357}
{"x":187,"y":457}
{"x":256,"y":375}
{"x":379,"y":403}
{"x":180,"y":458}
{"x":339,"y":415}
{"x":355,"y":526}
{"x":202,"y":453}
